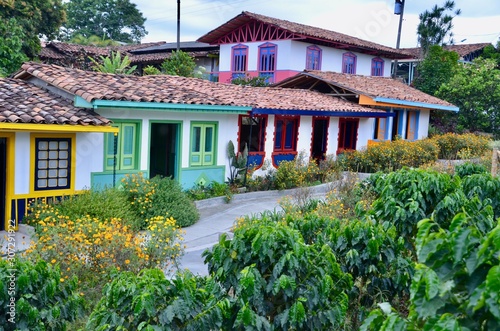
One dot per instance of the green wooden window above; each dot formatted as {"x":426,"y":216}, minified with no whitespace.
{"x":127,"y":147}
{"x":202,"y":144}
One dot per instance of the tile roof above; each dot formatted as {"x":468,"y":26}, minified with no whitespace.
{"x":371,"y":86}
{"x":23,"y":102}
{"x":462,"y":49}
{"x":305,"y":31}
{"x":181,"y":90}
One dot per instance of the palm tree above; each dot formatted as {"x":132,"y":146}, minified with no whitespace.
{"x":114,"y":64}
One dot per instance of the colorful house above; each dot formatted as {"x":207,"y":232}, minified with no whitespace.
{"x":180,"y":127}
{"x":46,"y":146}
{"x":259,"y":45}
{"x":409,"y":108}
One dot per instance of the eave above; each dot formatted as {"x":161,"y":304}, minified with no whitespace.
{"x":40,"y":127}
{"x":330,"y":113}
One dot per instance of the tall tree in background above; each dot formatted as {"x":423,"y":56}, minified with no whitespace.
{"x":36,"y":19}
{"x":119,"y":20}
{"x":11,"y":43}
{"x":475,"y":89}
{"x":435,"y":26}
{"x":179,"y":64}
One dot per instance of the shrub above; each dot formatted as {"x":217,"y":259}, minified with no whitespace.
{"x":149,"y":301}
{"x":468,"y":145}
{"x":456,"y":285}
{"x":468,"y":168}
{"x":296,"y":173}
{"x":159,"y":197}
{"x":43,"y":299}
{"x":278,"y":281}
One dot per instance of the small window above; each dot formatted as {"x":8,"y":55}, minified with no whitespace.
{"x":377,"y":67}
{"x":240,"y":60}
{"x":127,"y":145}
{"x":202,"y":144}
{"x":348,"y":134}
{"x":267,"y":61}
{"x":313,"y":58}
{"x":253,"y":133}
{"x":349,"y":63}
{"x":286,"y":134}
{"x":52,"y":163}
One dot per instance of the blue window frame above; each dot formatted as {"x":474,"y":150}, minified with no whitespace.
{"x":313,"y":58}
{"x":267,"y":61}
{"x":286,"y":134}
{"x":348,"y":63}
{"x":240,"y":57}
{"x":377,"y":67}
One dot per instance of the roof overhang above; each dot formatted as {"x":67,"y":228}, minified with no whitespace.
{"x":40,"y":127}
{"x":161,"y":106}
{"x":330,"y":113}
{"x":414,"y":104}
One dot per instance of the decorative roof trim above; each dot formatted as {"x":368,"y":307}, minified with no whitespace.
{"x":34,"y":127}
{"x":291,"y":112}
{"x":415,"y":104}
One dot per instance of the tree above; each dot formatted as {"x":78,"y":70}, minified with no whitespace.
{"x":435,"y":26}
{"x":491,"y":52}
{"x":475,"y":89}
{"x":179,"y":64}
{"x":118,"y":20}
{"x":248,"y":80}
{"x":11,"y":43}
{"x":114,"y":64}
{"x":93,"y":41}
{"x":36,"y":19}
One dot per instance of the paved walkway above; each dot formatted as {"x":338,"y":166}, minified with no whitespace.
{"x":217,"y":217}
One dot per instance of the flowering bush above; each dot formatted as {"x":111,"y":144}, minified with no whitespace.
{"x":454,"y":146}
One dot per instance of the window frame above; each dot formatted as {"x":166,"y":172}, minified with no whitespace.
{"x":375,"y":62}
{"x":235,"y":60}
{"x":381,"y":128}
{"x":120,"y":155}
{"x":202,"y":153}
{"x":267,"y":68}
{"x":261,"y":137}
{"x":349,"y":61}
{"x":295,"y":122}
{"x":412,"y":118}
{"x":313,"y":52}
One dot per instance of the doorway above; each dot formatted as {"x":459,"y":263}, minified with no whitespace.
{"x":319,"y":138}
{"x":164,"y":150}
{"x":3,"y":181}
{"x":348,"y":134}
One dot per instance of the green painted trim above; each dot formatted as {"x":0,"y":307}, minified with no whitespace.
{"x":216,"y":141}
{"x":94,"y":175}
{"x":205,"y":167}
{"x":81,"y":102}
{"x":179,"y":144}
{"x":138,"y":143}
{"x":165,"y":106}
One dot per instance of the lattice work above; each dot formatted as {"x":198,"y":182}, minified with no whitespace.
{"x":257,"y":31}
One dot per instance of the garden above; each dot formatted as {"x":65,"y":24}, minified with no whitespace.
{"x":416,"y":246}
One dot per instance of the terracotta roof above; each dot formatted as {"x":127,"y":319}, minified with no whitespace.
{"x":462,"y":49}
{"x":58,"y":50}
{"x":372,"y":86}
{"x":23,"y":102}
{"x":305,"y":33}
{"x":181,"y":90}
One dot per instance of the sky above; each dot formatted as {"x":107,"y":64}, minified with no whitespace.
{"x":372,"y":20}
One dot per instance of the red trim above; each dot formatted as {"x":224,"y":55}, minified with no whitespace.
{"x":263,"y":154}
{"x":256,"y":31}
{"x":295,"y":133}
{"x":273,"y":154}
{"x":343,"y":134}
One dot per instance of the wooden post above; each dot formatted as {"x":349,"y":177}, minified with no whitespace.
{"x":494,"y":162}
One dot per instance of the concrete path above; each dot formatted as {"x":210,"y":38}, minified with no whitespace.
{"x":217,"y":217}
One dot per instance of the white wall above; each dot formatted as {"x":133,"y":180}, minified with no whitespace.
{"x":291,"y":55}
{"x":89,"y":158}
{"x":22,"y":163}
{"x":423,"y":124}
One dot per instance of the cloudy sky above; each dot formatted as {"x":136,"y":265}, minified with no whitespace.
{"x":367,"y":19}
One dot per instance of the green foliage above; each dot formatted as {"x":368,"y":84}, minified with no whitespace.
{"x":214,"y":189}
{"x":475,"y":89}
{"x":11,"y":43}
{"x":33,"y":19}
{"x":437,"y":68}
{"x":296,"y":173}
{"x":150,"y":70}
{"x":160,"y":197}
{"x":485,"y":187}
{"x":492,"y":52}
{"x":237,"y":162}
{"x":279,"y":282}
{"x":456,"y":285}
{"x":248,"y":80}
{"x":179,"y":64}
{"x":407,"y":196}
{"x":114,"y":64}
{"x":118,"y":20}
{"x":435,"y":25}
{"x":469,"y":168}
{"x":149,"y":301}
{"x":452,"y":146}
{"x":43,"y":300}
{"x":93,"y":41}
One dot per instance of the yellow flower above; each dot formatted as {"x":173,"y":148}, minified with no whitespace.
{"x":127,"y":261}
{"x":53,"y":261}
